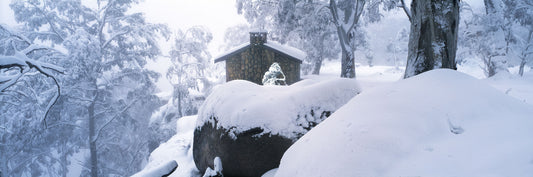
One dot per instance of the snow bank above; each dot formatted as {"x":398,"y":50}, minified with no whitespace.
{"x":161,"y":170}
{"x":439,"y":123}
{"x":241,"y":105}
{"x":178,"y":149}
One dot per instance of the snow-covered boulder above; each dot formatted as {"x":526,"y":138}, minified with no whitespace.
{"x":250,"y":126}
{"x":177,"y":149}
{"x":439,"y":123}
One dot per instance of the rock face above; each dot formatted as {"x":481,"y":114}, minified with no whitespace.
{"x":250,"y":154}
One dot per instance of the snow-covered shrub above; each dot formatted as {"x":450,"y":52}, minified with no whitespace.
{"x":274,"y":75}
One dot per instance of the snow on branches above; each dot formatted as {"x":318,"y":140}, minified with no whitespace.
{"x":13,"y":67}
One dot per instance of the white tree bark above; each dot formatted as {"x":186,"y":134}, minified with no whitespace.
{"x":345,"y":30}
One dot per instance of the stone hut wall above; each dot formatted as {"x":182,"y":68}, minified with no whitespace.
{"x":252,"y":63}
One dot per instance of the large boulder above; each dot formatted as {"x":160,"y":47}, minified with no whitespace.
{"x":250,"y":126}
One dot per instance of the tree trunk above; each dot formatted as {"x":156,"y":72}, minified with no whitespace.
{"x":317,"y":66}
{"x":521,"y":70}
{"x":345,"y":28}
{"x":525,"y":53}
{"x":92,"y":142}
{"x":348,"y":63}
{"x":433,"y":36}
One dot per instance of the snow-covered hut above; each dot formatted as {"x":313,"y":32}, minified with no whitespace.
{"x":250,"y":61}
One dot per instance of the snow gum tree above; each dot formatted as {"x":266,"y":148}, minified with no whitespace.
{"x":188,"y":72}
{"x":520,"y":12}
{"x":109,"y":92}
{"x":346,"y":16}
{"x":433,"y":36}
{"x":499,"y":36}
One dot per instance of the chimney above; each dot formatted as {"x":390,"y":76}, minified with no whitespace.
{"x":258,"y":37}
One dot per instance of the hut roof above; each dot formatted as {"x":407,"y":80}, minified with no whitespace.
{"x":289,"y":51}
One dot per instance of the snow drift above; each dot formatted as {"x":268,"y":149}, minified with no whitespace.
{"x":241,"y":105}
{"x":439,"y":123}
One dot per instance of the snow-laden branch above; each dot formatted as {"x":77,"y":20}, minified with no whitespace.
{"x":406,"y":10}
{"x":120,"y":33}
{"x":46,"y":17}
{"x":110,"y":120}
{"x":24,"y":63}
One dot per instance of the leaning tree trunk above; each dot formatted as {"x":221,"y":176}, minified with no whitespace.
{"x":433,"y":38}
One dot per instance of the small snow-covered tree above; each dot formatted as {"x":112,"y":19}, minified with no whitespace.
{"x":483,"y":37}
{"x":397,"y":47}
{"x":274,"y":75}
{"x":520,"y":12}
{"x":433,"y":36}
{"x":190,"y":64}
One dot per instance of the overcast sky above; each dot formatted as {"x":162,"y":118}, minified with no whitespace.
{"x":217,"y":15}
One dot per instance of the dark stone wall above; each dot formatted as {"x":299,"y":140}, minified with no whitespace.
{"x":252,"y":63}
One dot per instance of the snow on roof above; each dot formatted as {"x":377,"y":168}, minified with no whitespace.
{"x":231,"y":51}
{"x":291,"y":51}
{"x":294,"y":52}
{"x":241,"y":105}
{"x":438,"y":123}
{"x":257,"y":30}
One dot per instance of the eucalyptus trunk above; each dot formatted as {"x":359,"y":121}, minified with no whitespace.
{"x":433,"y":36}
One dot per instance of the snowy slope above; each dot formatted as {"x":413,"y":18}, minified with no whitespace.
{"x":440,"y":123}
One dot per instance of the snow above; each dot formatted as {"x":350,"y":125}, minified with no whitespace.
{"x":241,"y":105}
{"x":294,"y":52}
{"x":291,"y":51}
{"x":218,"y":168}
{"x":483,"y":143}
{"x":178,"y":148}
{"x":439,"y":123}
{"x":161,"y":170}
{"x":270,"y":173}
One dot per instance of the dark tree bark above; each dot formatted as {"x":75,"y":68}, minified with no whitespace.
{"x":433,"y":37}
{"x":92,"y":138}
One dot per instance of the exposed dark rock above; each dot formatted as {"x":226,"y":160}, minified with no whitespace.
{"x":251,"y":154}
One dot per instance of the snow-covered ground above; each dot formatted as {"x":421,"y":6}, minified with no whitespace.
{"x":440,"y":123}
